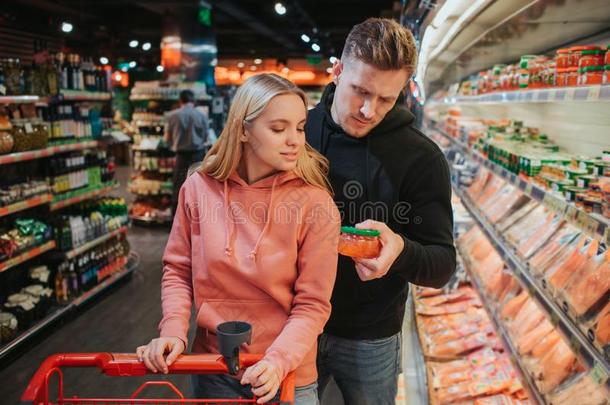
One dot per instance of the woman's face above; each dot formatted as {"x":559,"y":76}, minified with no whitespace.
{"x":274,"y":140}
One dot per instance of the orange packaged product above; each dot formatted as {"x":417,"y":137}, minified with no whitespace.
{"x":572,"y":77}
{"x":527,"y":342}
{"x":556,"y":366}
{"x":591,"y":75}
{"x":602,"y":329}
{"x":547,"y":344}
{"x":512,"y":307}
{"x":576,"y":53}
{"x":562,"y":60}
{"x":590,"y":285}
{"x":359,"y":243}
{"x":455,"y":393}
{"x":561,"y":78}
{"x":576,"y":261}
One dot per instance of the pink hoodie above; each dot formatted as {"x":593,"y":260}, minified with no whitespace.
{"x":274,"y":268}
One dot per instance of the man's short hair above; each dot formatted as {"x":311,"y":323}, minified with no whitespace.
{"x":187,"y":96}
{"x":382,"y":43}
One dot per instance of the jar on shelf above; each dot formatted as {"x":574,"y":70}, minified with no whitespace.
{"x":591,"y":58}
{"x":607,"y":74}
{"x":591,"y":75}
{"x":572,"y":77}
{"x":607,"y":58}
{"x":8,"y":327}
{"x":359,"y":243}
{"x":561,"y":77}
{"x":562,"y":58}
{"x":576,"y":52}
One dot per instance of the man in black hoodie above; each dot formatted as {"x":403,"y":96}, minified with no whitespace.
{"x":389,"y":177}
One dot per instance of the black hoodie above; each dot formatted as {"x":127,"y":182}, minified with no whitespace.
{"x":394,"y":175}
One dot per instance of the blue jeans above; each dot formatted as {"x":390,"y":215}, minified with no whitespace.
{"x":225,"y":387}
{"x":366,"y":371}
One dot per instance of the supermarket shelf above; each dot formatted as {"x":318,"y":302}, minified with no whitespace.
{"x":593,"y":224}
{"x":59,"y":204}
{"x":599,"y":93}
{"x":144,"y":97}
{"x":71,"y":254}
{"x":78,"y":95}
{"x":41,"y":153}
{"x":586,"y":351}
{"x":26,"y":204}
{"x":64,"y":311}
{"x":25,"y":256}
{"x":503,"y":333}
{"x":150,"y":220}
{"x":18,"y":99}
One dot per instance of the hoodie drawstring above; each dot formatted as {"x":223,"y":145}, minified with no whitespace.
{"x":254,"y":251}
{"x":231,"y":231}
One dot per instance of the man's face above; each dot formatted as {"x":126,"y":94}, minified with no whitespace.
{"x":364,"y":95}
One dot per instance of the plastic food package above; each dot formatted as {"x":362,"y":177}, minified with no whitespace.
{"x":589,"y":285}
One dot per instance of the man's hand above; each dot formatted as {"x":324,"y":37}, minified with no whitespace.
{"x":392,"y":246}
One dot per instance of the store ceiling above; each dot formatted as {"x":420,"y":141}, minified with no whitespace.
{"x":243,"y":28}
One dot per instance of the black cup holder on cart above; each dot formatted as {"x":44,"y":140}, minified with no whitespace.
{"x":231,"y":335}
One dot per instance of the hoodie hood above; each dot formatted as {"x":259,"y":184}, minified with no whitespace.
{"x":269,"y":184}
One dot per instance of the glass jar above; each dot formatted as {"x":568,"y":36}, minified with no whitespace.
{"x":561,"y":77}
{"x":359,"y":243}
{"x":591,"y":58}
{"x":8,"y":327}
{"x":572,"y":77}
{"x":591,"y":75}
{"x":563,"y":58}
{"x":607,"y":58}
{"x":576,"y":51}
{"x":607,"y":74}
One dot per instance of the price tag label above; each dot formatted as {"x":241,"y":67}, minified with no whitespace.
{"x":554,"y":203}
{"x":28,"y":128}
{"x":598,"y":374}
{"x":587,"y":223}
{"x":571,"y":213}
{"x":528,"y":188}
{"x":593,"y":94}
{"x":570,"y":94}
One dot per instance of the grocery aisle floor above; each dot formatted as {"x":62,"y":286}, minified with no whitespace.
{"x":125,"y":317}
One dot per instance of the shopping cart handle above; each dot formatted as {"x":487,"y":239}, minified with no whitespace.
{"x":126,"y":365}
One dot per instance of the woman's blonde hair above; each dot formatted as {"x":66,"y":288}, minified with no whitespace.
{"x":249,"y":102}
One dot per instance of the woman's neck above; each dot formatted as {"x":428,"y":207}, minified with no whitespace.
{"x":251,"y":173}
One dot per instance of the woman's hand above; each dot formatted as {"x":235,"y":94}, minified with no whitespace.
{"x":265,"y":380}
{"x":152,"y":353}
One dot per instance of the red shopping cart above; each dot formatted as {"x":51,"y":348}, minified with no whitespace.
{"x":125,"y":365}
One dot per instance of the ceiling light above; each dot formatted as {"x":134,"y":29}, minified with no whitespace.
{"x":280,"y":9}
{"x":160,"y":68}
{"x":118,"y":77}
{"x":132,"y":64}
{"x":146,"y":46}
{"x":104,"y":60}
{"x":133,"y":43}
{"x":305,"y":38}
{"x":258,"y":61}
{"x":241,"y":65}
{"x":315,"y":47}
{"x":66,"y":27}
{"x":253,"y":68}
{"x":332,"y":59}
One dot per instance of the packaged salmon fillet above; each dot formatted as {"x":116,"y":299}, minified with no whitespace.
{"x":445,"y":309}
{"x":493,"y":186}
{"x":555,"y":367}
{"x":546,"y":344}
{"x":458,"y":346}
{"x":528,"y":317}
{"x":526,"y":226}
{"x":553,"y":250}
{"x":450,"y":334}
{"x":582,"y":391}
{"x":580,"y":259}
{"x":479,"y":183}
{"x":445,"y":298}
{"x":516,"y":216}
{"x":589,"y":286}
{"x":526,"y":343}
{"x":500,"y":399}
{"x":527,"y":247}
{"x":481,"y":357}
{"x":455,"y":393}
{"x":514,"y":305}
{"x":602,"y":328}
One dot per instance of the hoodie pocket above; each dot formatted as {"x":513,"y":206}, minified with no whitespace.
{"x":266,"y":317}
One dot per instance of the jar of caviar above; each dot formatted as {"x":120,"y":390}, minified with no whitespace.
{"x":359,"y":243}
{"x":607,"y":74}
{"x":576,"y":52}
{"x":8,"y":327}
{"x":591,"y":75}
{"x":607,"y":58}
{"x":591,"y":58}
{"x":563,"y":58}
{"x":572,"y":77}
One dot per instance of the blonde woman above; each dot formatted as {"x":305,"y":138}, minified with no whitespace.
{"x":254,"y":239}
